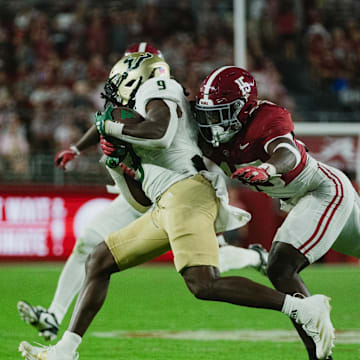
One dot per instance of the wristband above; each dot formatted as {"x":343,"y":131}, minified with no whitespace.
{"x":269,"y":168}
{"x":114,"y":129}
{"x":75,"y":149}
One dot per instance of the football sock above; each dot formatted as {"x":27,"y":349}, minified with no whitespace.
{"x":291,"y":305}
{"x":233,"y":257}
{"x":69,"y":284}
{"x":69,"y":342}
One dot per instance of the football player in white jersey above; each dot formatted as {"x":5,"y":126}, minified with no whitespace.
{"x":129,"y":205}
{"x":189,"y":205}
{"x":255,"y":142}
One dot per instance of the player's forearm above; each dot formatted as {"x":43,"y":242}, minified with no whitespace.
{"x":90,"y":138}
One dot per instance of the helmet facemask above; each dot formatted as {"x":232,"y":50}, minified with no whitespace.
{"x":219,"y":123}
{"x":111,"y":90}
{"x":226,"y":96}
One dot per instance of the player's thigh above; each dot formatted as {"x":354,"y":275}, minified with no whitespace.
{"x":118,"y":214}
{"x":315,"y":223}
{"x":188,"y":212}
{"x":138,"y":242}
{"x":348,"y":241}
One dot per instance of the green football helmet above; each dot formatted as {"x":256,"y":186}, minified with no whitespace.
{"x":129,"y":73}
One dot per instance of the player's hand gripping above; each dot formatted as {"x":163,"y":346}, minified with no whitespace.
{"x":253,"y":175}
{"x":107,"y":147}
{"x":101,"y":117}
{"x":116,"y":151}
{"x":110,"y":149}
{"x":65,"y":156}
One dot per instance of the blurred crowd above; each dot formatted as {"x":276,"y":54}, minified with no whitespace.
{"x":56,"y":56}
{"x":322,"y":34}
{"x":334,"y":53}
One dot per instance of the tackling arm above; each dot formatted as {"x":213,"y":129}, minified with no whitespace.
{"x":284,"y":157}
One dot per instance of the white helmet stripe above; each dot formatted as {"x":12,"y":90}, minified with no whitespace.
{"x":142,"y":46}
{"x":211,"y":79}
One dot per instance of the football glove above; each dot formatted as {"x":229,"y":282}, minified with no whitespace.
{"x":110,"y":149}
{"x":65,"y":156}
{"x":253,"y":175}
{"x":100,"y":119}
{"x":115,"y":153}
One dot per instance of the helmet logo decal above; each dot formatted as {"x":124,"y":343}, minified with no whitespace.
{"x":139,"y":59}
{"x":245,"y":87}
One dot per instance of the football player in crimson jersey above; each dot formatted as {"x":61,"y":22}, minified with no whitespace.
{"x":129,"y":205}
{"x":254,"y":142}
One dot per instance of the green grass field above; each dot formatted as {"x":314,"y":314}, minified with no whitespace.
{"x":154,"y":297}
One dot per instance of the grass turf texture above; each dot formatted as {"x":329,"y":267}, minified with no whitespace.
{"x":154,"y":297}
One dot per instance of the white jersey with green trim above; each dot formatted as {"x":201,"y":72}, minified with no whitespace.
{"x":172,"y":161}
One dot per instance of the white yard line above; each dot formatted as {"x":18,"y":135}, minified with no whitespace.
{"x":342,"y":337}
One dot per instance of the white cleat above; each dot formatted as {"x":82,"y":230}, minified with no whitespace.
{"x":314,"y":316}
{"x":30,"y":352}
{"x":228,"y":258}
{"x":264,"y":255}
{"x":37,"y":316}
{"x":234,"y":257}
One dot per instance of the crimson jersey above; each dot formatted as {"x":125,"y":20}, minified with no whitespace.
{"x":267,"y":121}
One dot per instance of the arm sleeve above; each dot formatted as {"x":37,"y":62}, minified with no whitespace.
{"x":277,"y":123}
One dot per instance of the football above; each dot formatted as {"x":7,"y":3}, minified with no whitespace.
{"x":126,"y":115}
{"x":123,"y":115}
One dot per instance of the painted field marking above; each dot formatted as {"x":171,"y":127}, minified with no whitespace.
{"x":342,"y":336}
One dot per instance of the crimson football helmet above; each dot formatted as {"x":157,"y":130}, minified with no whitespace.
{"x":222,"y":106}
{"x":143,"y":47}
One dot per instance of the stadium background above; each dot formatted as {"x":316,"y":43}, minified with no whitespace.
{"x":55,"y":57}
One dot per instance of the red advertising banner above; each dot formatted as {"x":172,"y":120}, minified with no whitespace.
{"x":43,"y":222}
